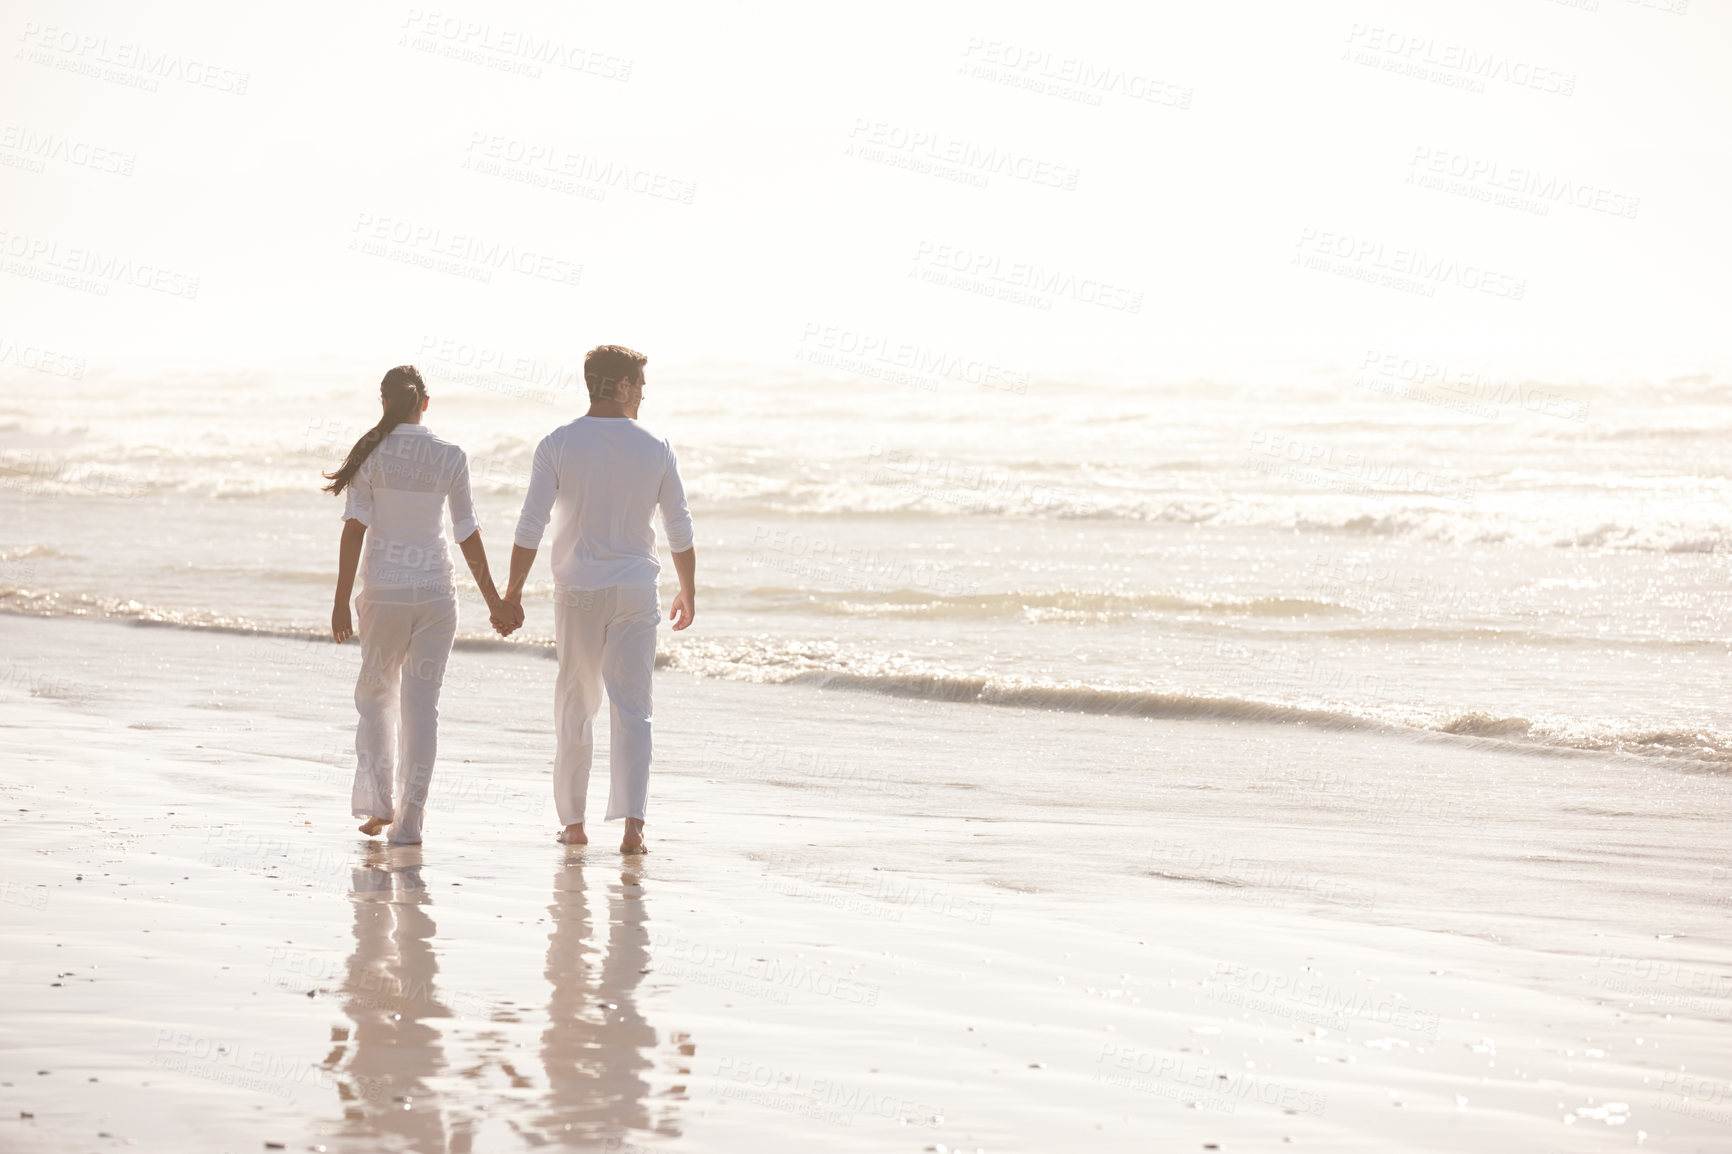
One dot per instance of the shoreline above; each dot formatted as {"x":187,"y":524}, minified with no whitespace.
{"x":1680,"y":752}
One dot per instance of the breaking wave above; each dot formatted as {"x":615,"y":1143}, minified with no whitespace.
{"x":832,"y":665}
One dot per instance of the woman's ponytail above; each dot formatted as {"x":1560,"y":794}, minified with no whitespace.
{"x":403,"y":391}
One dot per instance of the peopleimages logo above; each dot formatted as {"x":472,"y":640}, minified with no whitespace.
{"x":1521,"y":185}
{"x":90,"y":269}
{"x":518,"y":50}
{"x":1475,"y":392}
{"x":459,"y":253}
{"x":1070,"y":77}
{"x":547,"y":165}
{"x":41,"y":360}
{"x":1373,"y":260}
{"x":875,"y":354}
{"x":1461,"y":65}
{"x":880,"y":140}
{"x":1319,"y":459}
{"x":140,"y":66}
{"x":958,"y":266}
{"x":1121,"y":1065}
{"x":37,"y":148}
{"x":473,"y":363}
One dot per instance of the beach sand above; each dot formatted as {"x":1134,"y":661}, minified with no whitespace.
{"x":866,"y":923}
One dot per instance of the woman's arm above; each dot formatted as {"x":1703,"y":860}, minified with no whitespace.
{"x":466,"y":531}
{"x":348,"y":560}
{"x":506,"y":617}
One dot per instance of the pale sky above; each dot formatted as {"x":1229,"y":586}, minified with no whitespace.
{"x":1163,"y":172}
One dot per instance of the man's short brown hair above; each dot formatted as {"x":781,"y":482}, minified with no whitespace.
{"x":606,"y":367}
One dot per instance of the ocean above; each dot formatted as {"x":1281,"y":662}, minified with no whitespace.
{"x":1394,"y":543}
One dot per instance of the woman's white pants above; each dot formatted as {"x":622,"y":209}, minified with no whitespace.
{"x":606,"y":638}
{"x":404,"y":648}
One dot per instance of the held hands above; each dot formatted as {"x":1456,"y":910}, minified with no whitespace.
{"x":506,"y":615}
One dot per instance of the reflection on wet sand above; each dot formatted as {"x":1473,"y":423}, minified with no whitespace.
{"x":597,"y":1046}
{"x":596,"y":1050}
{"x":392,"y":1048}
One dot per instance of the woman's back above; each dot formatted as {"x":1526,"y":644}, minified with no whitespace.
{"x":400,"y":493}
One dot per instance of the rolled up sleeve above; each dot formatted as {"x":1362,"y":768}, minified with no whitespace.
{"x":538,"y":501}
{"x":358,"y":496}
{"x":676,"y":518}
{"x":463,"y":522}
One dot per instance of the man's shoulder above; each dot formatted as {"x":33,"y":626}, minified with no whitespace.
{"x":614,"y":429}
{"x":563,"y":432}
{"x":651,"y":436}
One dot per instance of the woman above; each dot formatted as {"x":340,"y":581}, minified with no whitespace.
{"x":397,"y":479}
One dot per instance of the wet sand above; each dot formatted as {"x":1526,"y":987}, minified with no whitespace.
{"x":865,"y":923}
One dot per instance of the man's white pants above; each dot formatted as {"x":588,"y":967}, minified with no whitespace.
{"x":605,"y":638}
{"x":404,"y":648}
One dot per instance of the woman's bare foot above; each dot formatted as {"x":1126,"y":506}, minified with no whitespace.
{"x":633,"y":841}
{"x":373,"y":825}
{"x":572,"y":835}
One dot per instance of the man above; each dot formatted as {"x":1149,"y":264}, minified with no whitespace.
{"x":600,"y":478}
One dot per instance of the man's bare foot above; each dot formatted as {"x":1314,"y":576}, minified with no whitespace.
{"x":572,"y":835}
{"x":373,"y":825}
{"x":633,"y":841}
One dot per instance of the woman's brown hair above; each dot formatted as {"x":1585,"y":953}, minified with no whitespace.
{"x":403,"y":391}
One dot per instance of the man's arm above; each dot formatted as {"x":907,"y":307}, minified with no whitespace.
{"x":685,"y":601}
{"x":522,"y":560}
{"x":532,"y":522}
{"x":348,"y":560}
{"x":677,"y":524}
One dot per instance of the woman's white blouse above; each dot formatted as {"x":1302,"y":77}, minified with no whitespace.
{"x":400,"y":493}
